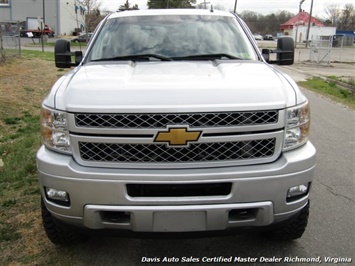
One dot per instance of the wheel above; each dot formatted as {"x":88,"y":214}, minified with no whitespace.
{"x":57,"y":233}
{"x":293,"y":230}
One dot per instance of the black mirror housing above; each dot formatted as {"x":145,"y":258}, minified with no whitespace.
{"x":285,"y":52}
{"x":287,"y":47}
{"x":62,"y":55}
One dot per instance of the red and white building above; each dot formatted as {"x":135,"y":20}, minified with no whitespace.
{"x":297,"y":28}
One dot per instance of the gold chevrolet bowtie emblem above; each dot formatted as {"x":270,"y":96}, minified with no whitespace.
{"x":177,"y":136}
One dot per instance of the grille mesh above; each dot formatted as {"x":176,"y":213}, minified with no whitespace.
{"x":163,"y":120}
{"x":160,"y":153}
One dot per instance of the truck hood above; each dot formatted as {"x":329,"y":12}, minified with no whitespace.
{"x":172,"y":87}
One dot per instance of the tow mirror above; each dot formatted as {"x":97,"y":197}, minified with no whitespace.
{"x":63,"y":55}
{"x":285,"y":52}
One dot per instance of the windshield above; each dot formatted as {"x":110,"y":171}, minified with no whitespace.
{"x":172,"y":36}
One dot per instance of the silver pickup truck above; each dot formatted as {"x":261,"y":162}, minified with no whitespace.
{"x":171,"y":122}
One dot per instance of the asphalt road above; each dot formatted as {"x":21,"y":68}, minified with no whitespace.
{"x":330,"y":232}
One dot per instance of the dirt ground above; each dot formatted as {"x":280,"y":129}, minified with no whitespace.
{"x":24,"y":84}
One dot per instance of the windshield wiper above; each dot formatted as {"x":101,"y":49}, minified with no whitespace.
{"x":207,"y":57}
{"x":136,"y":57}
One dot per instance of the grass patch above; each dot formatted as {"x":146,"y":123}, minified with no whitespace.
{"x":11,"y":55}
{"x":11,"y":120}
{"x":52,"y":44}
{"x":24,"y":82}
{"x":8,"y":233}
{"x":9,"y":203}
{"x":28,"y":89}
{"x":331,"y":90}
{"x":37,"y":43}
{"x":19,"y":156}
{"x":78,"y":44}
{"x":343,"y":79}
{"x":332,"y":77}
{"x":30,"y":54}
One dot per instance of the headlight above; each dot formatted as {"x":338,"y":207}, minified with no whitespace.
{"x":55,"y":134}
{"x":297,"y":126}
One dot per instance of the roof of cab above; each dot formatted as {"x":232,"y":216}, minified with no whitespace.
{"x":181,"y":11}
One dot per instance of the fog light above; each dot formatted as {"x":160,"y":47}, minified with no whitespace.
{"x":56,"y":194}
{"x":297,"y":190}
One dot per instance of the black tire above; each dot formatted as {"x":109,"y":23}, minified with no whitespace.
{"x":293,"y":230}
{"x":57,"y":233}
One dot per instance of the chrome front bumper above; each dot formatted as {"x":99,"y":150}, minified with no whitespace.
{"x":99,"y":197}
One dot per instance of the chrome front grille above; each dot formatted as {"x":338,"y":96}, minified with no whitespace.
{"x":140,"y":121}
{"x":160,"y":153}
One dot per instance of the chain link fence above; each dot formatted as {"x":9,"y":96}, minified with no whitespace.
{"x":10,"y":41}
{"x":326,"y":49}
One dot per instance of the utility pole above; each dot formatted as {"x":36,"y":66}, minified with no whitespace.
{"x":76,"y":8}
{"x":205,"y":4}
{"x":43,"y":25}
{"x":298,"y":21}
{"x":44,"y":12}
{"x":235,"y":5}
{"x":309,"y":23}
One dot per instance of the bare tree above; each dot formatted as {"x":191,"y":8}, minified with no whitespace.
{"x":86,"y":10}
{"x":219,"y":7}
{"x":342,"y":18}
{"x":265,"y":24}
{"x":347,"y":18}
{"x":253,"y":21}
{"x":333,"y":12}
{"x":200,"y":6}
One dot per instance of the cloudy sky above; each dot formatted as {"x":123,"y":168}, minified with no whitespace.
{"x":259,"y":6}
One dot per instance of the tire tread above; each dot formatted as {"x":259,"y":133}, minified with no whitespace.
{"x":57,"y":234}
